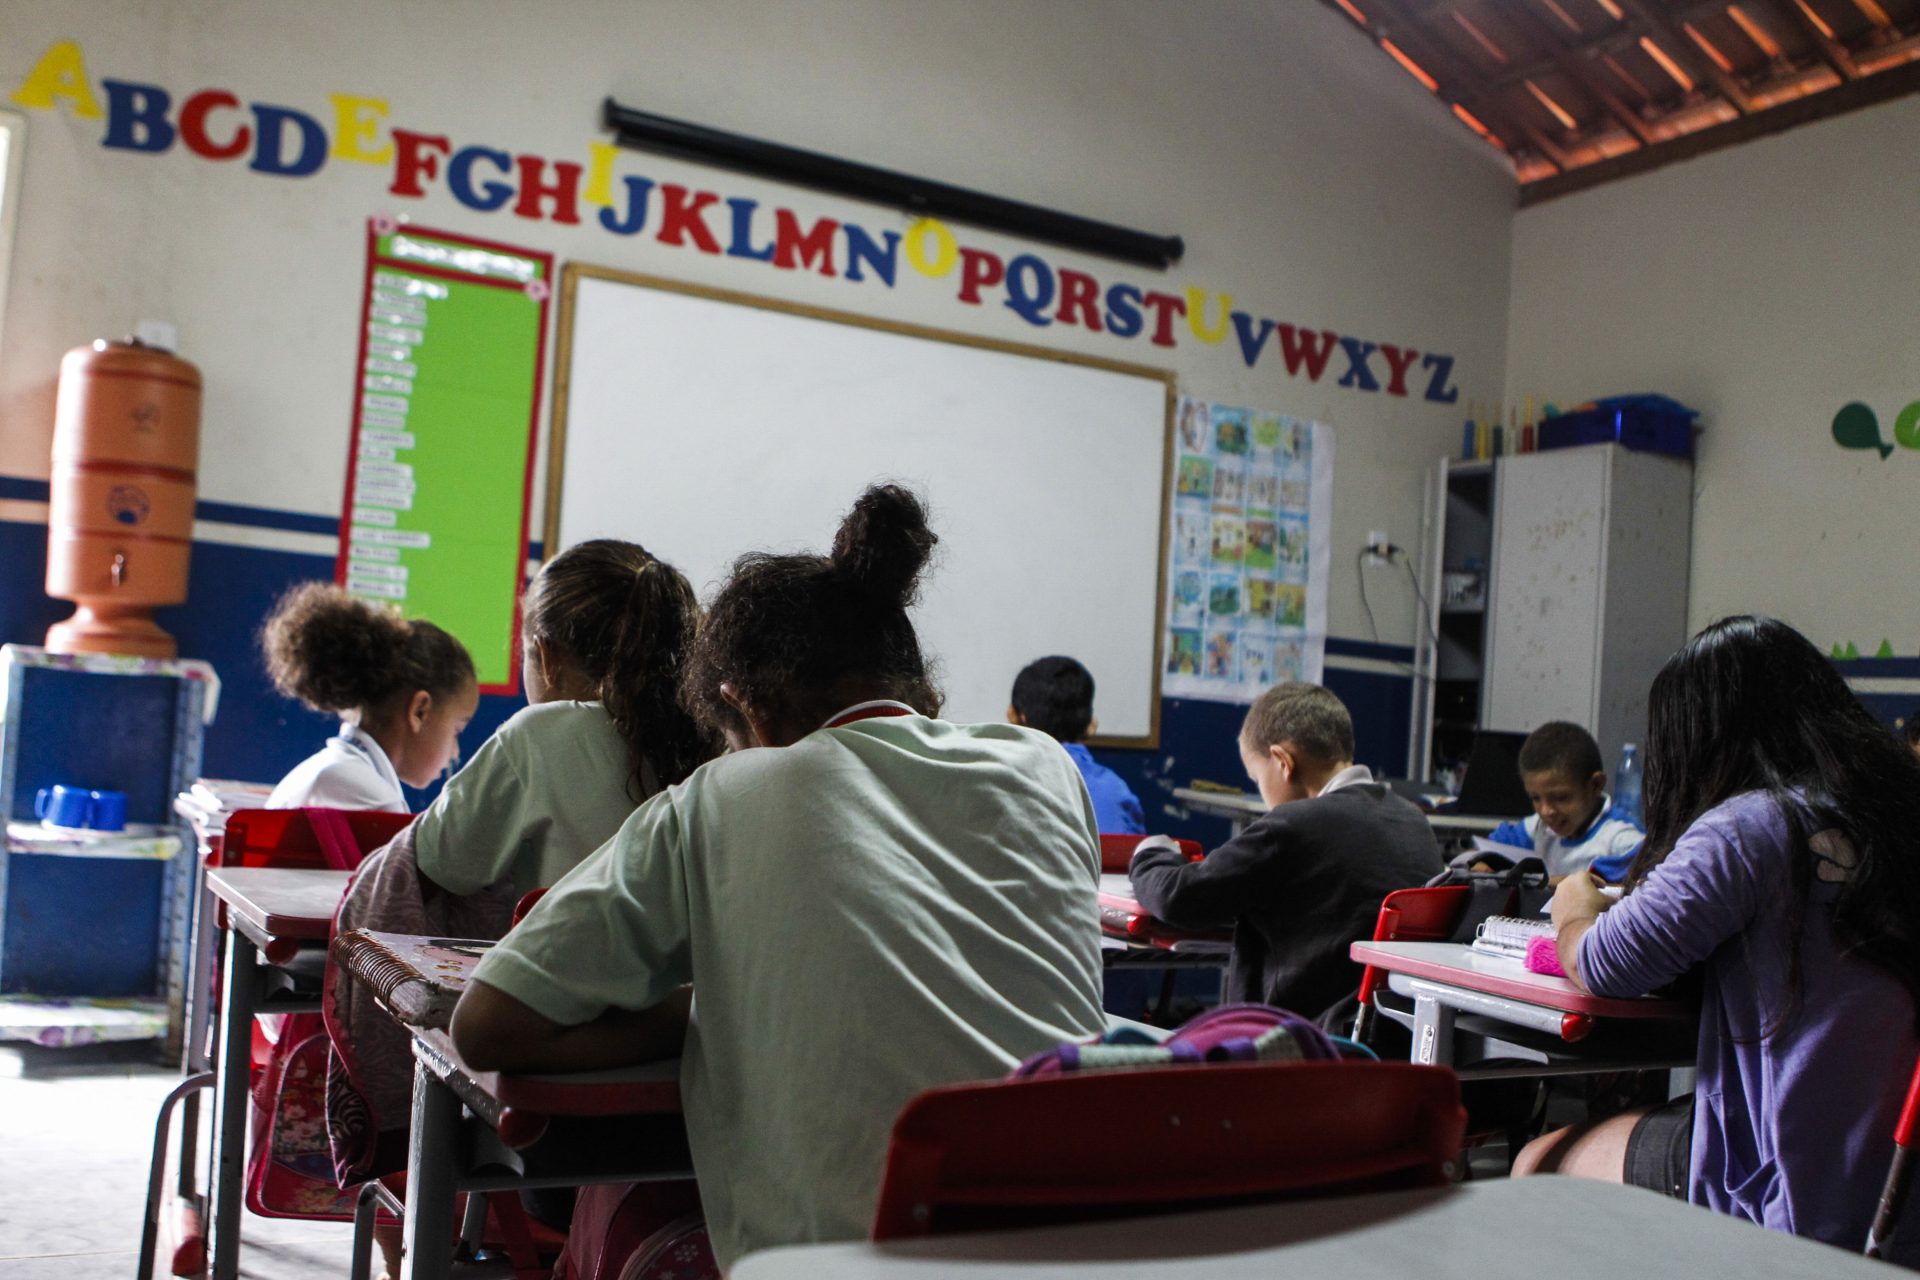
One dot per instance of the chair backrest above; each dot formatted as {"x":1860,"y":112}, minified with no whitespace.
{"x":1070,"y":1148}
{"x":306,"y":838}
{"x":1413,"y":915}
{"x":525,"y":905}
{"x":1117,"y":851}
{"x":1893,"y":1194}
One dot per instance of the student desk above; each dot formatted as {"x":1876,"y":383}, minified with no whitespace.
{"x":276,"y":921}
{"x":486,"y":1131}
{"x":1503,"y":1229}
{"x":1241,"y":809}
{"x":1472,"y":1011}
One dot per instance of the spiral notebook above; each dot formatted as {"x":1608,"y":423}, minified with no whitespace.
{"x":419,"y":978}
{"x":1509,"y":935}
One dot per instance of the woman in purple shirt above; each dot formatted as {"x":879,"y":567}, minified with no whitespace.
{"x":1780,"y":865}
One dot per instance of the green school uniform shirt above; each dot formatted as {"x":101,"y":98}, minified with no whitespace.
{"x":547,"y":789}
{"x":877,"y":909}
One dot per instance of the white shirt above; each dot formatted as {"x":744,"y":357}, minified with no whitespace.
{"x":1351,"y":776}
{"x":547,"y":789}
{"x":351,"y":772}
{"x":880,"y":908}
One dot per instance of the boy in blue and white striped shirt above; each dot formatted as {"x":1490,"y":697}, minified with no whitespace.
{"x":1575,"y":825}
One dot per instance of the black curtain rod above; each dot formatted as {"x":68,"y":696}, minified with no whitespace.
{"x":645,"y":131}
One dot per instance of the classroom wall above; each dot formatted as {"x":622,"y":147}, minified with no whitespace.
{"x":1767,"y":286}
{"x":1312,"y":181}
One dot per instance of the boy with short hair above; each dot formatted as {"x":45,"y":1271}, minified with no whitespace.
{"x":1303,"y":882}
{"x":1575,"y":825}
{"x":1055,"y":696}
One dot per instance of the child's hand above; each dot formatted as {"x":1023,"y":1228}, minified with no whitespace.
{"x":1578,"y":897}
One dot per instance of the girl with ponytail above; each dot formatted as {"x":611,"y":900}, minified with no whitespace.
{"x":403,"y":689}
{"x":868,"y":901}
{"x":607,"y":628}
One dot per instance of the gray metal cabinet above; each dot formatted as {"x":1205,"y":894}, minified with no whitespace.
{"x":1586,"y":558}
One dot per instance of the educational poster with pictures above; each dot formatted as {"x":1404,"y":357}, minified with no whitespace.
{"x":1247,"y":571}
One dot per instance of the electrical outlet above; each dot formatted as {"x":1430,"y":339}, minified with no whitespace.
{"x":1376,"y":538}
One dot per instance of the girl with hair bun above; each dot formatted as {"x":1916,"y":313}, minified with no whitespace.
{"x":403,"y":688}
{"x":868,"y":901}
{"x":606,"y":629}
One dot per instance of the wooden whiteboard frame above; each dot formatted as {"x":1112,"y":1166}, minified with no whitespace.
{"x":573,"y":272}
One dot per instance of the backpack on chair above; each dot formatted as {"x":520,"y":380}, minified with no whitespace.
{"x":1518,"y":889}
{"x":638,"y":1231}
{"x":1230,"y":1033}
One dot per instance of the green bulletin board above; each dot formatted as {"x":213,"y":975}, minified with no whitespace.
{"x":446,"y":408}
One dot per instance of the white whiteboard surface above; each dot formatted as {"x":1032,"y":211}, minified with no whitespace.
{"x":704,"y":425}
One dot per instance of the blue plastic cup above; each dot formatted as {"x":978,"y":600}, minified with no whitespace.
{"x":108,"y":810}
{"x":64,"y":806}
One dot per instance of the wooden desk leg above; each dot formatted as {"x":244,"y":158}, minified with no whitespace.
{"x":432,"y":1156}
{"x":1432,"y":1031}
{"x":240,"y":996}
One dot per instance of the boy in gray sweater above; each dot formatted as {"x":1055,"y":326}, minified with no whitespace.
{"x":1304,"y":880}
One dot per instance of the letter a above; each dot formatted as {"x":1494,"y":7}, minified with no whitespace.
{"x":62,"y":73}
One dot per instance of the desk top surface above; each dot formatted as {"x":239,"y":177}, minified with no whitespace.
{"x":1594,"y":1231}
{"x":1458,"y":965}
{"x":1238,"y":804}
{"x":281,"y":902}
{"x":1222,"y":801}
{"x":652,"y":1088}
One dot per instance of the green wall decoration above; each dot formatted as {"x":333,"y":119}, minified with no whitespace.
{"x":1857,"y":426}
{"x":445,"y":421}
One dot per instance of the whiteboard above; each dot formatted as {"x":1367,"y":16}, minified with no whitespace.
{"x":705,"y":424}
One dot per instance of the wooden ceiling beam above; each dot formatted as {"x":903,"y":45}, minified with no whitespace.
{"x":1579,"y":69}
{"x":1615,"y":41}
{"x":1865,"y":92}
{"x":1612,"y":42}
{"x":1458,"y":82}
{"x":1831,"y":51}
{"x":1661,"y":26}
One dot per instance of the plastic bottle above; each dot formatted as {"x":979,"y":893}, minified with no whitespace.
{"x":1626,"y":782}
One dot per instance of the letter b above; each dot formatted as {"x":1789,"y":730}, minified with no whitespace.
{"x":136,"y":117}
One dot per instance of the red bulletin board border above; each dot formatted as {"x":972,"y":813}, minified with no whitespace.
{"x":377,"y":227}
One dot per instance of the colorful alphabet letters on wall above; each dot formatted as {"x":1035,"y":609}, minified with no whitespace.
{"x":141,"y":118}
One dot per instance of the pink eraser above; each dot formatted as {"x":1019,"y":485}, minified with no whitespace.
{"x":1543,"y":956}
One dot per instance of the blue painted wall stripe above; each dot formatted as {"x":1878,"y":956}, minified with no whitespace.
{"x":266,"y":518}
{"x":26,"y":489}
{"x":1338,"y":647}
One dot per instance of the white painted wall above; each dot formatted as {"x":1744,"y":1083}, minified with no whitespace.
{"x":1310,"y":178}
{"x":1766,"y":286}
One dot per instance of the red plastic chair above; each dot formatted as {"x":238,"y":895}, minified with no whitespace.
{"x":1893,"y":1195}
{"x":1029,"y":1152}
{"x":1117,"y":851}
{"x":525,"y":905}
{"x":288,"y":837}
{"x":1409,"y":915}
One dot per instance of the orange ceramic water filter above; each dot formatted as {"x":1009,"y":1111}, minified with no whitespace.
{"x":126,"y":448}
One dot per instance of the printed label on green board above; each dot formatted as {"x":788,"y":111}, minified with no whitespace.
{"x":449,"y":389}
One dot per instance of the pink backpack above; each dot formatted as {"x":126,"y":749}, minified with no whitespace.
{"x":638,"y":1231}
{"x":1230,"y":1033}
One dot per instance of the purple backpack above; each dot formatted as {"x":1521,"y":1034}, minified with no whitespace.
{"x":1230,"y":1033}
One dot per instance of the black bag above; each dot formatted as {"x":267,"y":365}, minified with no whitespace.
{"x":1517,"y":890}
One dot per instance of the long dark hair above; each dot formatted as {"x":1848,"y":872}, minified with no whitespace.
{"x":626,"y":621}
{"x":1750,"y":705}
{"x":796,"y":637}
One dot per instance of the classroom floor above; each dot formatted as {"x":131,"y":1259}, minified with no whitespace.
{"x":76,"y":1130}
